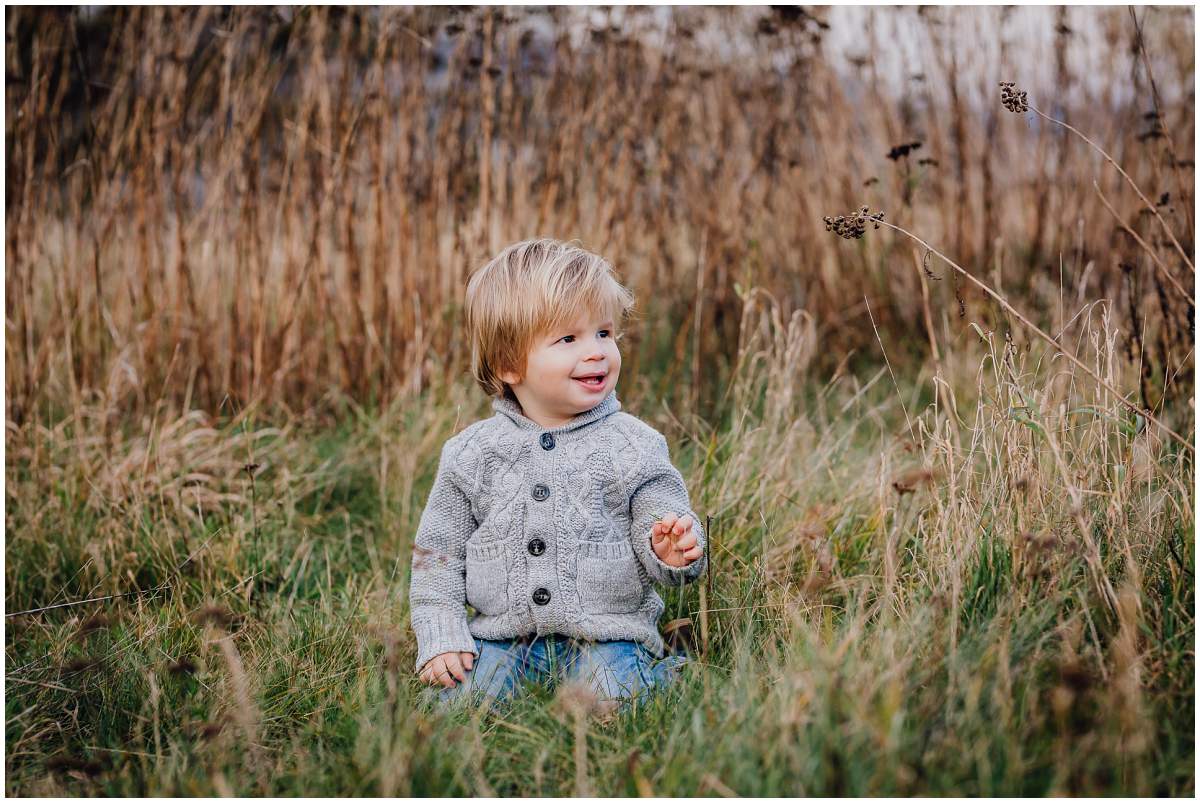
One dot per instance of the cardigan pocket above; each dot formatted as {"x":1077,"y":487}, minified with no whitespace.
{"x":607,"y":577}
{"x":487,"y":578}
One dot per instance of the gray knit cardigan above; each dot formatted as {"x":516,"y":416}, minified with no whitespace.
{"x":546,"y":531}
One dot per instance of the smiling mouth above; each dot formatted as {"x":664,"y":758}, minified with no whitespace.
{"x":590,"y":381}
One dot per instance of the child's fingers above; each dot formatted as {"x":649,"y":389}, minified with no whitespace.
{"x":664,"y":540}
{"x":468,"y":660}
{"x":683,"y":525}
{"x":668,"y":520}
{"x":694,"y":553}
{"x":441,"y":671}
{"x":686,"y":541}
{"x":454,"y":664}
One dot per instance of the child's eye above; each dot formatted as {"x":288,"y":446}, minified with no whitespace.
{"x":569,"y":338}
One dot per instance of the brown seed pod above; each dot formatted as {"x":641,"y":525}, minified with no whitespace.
{"x":852,"y":227}
{"x":1015,"y":100}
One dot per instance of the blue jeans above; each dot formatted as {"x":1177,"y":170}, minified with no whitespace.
{"x":613,"y":670}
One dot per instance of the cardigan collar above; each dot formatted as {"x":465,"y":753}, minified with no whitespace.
{"x":508,"y":407}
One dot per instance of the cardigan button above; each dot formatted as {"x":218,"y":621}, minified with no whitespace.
{"x":541,"y":492}
{"x":547,"y":441}
{"x":541,"y":596}
{"x":537,"y":546}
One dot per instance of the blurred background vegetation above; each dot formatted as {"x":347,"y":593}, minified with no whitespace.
{"x":269,"y":205}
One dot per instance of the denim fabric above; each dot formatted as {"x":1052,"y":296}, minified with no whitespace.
{"x":615,"y":670}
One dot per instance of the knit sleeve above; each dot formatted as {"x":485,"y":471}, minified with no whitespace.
{"x":437,"y":593}
{"x":657,"y":489}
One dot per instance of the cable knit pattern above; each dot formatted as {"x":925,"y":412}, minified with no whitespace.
{"x":547,"y":540}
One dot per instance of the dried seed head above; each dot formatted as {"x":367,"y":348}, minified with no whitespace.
{"x":902,"y":150}
{"x":1015,"y":100}
{"x":853,"y":226}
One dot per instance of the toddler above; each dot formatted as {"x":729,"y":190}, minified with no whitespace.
{"x":553,"y":518}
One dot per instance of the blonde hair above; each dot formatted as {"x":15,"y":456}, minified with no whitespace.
{"x":526,"y":290}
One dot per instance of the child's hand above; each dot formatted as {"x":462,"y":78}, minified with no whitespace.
{"x":446,"y":667}
{"x":674,"y":542}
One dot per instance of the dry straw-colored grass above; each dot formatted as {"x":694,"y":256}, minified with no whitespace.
{"x":259,"y":206}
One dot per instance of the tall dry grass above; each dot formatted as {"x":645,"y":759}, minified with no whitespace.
{"x":236,"y":206}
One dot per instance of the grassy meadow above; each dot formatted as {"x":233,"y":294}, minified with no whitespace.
{"x":952,"y":541}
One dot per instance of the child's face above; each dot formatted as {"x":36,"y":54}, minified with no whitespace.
{"x":552,"y":391}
